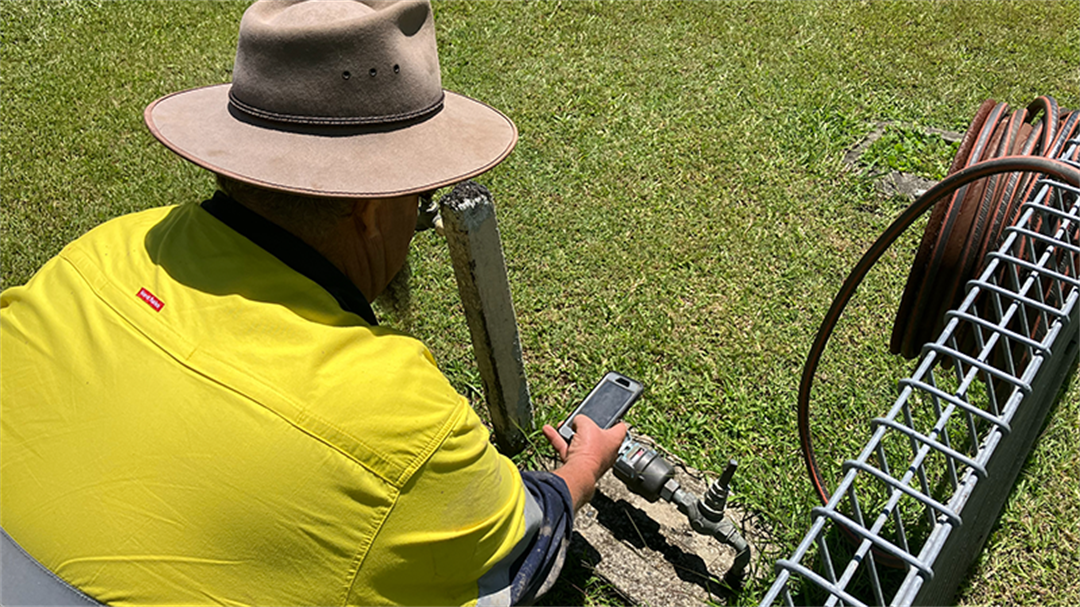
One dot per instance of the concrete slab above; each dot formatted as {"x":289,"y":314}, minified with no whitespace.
{"x":648,"y":552}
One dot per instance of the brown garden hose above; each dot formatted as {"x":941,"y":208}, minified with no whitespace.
{"x":964,"y":227}
{"x":995,"y":170}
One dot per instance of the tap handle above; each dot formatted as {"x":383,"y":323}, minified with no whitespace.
{"x":725,"y":478}
{"x":717,"y":494}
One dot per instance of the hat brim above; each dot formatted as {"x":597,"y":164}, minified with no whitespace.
{"x":462,"y":140}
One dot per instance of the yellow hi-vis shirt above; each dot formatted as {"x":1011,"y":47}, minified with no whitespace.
{"x":186,"y":420}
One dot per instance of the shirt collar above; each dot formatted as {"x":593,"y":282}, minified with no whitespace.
{"x":291,"y":251}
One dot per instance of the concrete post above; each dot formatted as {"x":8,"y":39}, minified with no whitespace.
{"x":468,"y":219}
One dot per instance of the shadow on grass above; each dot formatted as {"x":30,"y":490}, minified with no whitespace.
{"x":842,"y":553}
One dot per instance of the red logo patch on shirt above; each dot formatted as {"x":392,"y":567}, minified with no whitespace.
{"x":149,"y":298}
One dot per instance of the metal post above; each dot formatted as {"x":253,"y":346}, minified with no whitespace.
{"x":468,"y":218}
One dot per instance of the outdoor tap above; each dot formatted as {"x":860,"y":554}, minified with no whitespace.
{"x":646,"y":473}
{"x":707,"y":517}
{"x":715,"y":500}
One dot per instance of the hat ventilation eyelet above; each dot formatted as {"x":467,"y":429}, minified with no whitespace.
{"x":373,"y":72}
{"x":346,"y":75}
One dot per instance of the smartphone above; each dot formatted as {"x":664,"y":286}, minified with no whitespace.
{"x":606,"y":404}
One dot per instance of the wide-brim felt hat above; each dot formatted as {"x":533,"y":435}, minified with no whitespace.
{"x":335,"y":98}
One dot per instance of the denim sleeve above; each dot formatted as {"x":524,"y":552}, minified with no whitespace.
{"x":534,"y":564}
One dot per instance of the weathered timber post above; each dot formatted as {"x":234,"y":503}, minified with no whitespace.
{"x":468,"y":219}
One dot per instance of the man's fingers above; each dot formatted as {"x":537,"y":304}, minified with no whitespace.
{"x":556,"y":441}
{"x":581,"y":421}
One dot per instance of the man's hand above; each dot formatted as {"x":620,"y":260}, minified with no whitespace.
{"x":587,"y":457}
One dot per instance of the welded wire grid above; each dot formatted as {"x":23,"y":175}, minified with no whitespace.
{"x":906,"y":491}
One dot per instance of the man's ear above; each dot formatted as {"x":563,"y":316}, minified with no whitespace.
{"x":365,"y":218}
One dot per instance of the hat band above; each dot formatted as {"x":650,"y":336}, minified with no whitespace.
{"x":336,"y":120}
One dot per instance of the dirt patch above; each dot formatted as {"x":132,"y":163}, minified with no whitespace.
{"x":895,"y":183}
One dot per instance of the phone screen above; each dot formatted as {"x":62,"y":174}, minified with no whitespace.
{"x":606,"y":403}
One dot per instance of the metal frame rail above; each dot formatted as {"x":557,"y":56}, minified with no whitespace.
{"x":930,"y":483}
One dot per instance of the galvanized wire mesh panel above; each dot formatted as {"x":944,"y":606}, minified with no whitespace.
{"x":914,"y":496}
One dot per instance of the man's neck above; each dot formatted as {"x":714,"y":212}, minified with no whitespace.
{"x":293,"y":251}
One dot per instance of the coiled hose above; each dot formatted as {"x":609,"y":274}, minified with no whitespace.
{"x":1000,"y":159}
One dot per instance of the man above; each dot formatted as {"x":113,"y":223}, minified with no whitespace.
{"x":199,"y":406}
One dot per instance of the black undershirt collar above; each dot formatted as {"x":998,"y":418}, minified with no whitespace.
{"x":291,"y":251}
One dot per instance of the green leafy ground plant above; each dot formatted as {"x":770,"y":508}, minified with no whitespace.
{"x":908,"y":150}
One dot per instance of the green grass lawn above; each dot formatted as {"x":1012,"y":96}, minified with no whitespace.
{"x":677,"y":208}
